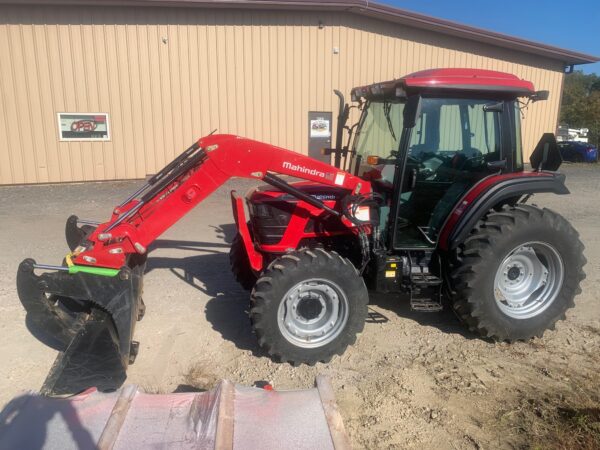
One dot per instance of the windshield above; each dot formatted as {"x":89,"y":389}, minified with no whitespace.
{"x":446,"y":128}
{"x":378,"y":133}
{"x":379,"y":129}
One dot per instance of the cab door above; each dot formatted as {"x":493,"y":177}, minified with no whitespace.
{"x":455,"y":143}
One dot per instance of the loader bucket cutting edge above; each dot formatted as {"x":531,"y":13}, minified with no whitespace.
{"x":56,"y":301}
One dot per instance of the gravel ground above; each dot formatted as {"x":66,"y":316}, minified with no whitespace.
{"x":411,"y":381}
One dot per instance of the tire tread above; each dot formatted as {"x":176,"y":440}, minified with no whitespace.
{"x":266,"y":295}
{"x":467,"y":266}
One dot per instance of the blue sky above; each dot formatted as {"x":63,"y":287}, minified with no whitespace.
{"x":574,"y":24}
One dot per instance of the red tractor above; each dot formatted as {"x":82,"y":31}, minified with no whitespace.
{"x":428,"y":198}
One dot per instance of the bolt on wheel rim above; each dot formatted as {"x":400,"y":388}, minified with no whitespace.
{"x":528,"y":280}
{"x":313,"y":313}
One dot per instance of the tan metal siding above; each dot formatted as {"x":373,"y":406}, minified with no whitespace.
{"x":253,"y":73}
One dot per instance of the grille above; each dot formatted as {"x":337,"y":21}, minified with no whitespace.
{"x":270,"y":220}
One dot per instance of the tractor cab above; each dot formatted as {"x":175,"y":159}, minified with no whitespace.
{"x":425,"y":140}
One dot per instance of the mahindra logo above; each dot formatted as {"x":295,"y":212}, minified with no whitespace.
{"x":305,"y":170}
{"x":324,"y":196}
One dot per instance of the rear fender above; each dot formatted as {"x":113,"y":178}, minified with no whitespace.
{"x":491,"y":191}
{"x":241,"y":222}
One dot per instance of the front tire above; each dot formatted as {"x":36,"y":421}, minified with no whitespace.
{"x":517,"y":273}
{"x":308,"y":306}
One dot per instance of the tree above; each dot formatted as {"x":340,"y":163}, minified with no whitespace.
{"x":581,"y":103}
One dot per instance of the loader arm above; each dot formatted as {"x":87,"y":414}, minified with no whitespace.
{"x":212,"y":161}
{"x":105,"y":268}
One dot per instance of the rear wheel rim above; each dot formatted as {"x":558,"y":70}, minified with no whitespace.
{"x":313,"y":313}
{"x":528,"y":280}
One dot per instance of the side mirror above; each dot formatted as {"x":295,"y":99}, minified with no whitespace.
{"x":546,"y":155}
{"x":540,"y":95}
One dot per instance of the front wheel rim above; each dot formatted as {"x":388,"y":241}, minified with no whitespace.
{"x":528,"y":280}
{"x":313,"y":313}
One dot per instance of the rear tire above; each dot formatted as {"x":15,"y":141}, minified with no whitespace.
{"x":240,"y":264}
{"x":517,"y":273}
{"x":308,"y":306}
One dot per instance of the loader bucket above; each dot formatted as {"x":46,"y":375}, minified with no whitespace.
{"x":59,"y":302}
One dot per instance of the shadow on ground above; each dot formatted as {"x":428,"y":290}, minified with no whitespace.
{"x":209,"y":272}
{"x":399,"y":304}
{"x":24,"y":423}
{"x":227,"y":309}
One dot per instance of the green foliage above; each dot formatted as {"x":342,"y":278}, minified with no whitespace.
{"x":581,"y":103}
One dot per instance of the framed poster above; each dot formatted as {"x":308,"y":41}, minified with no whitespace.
{"x":320,"y":128}
{"x":83,"y":127}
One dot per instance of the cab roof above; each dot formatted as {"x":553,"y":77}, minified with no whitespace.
{"x":444,"y":80}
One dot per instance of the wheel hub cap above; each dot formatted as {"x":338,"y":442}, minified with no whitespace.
{"x":528,"y":280}
{"x":311,"y":308}
{"x":515,"y":273}
{"x":313,"y":313}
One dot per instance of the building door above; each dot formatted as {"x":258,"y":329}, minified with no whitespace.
{"x":319,"y":134}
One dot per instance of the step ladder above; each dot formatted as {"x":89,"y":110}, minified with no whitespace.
{"x":425,"y":290}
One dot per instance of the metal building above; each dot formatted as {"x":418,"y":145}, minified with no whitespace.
{"x":104,"y":90}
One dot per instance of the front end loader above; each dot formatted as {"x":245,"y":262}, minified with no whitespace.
{"x":426,"y":202}
{"x":104,"y":269}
